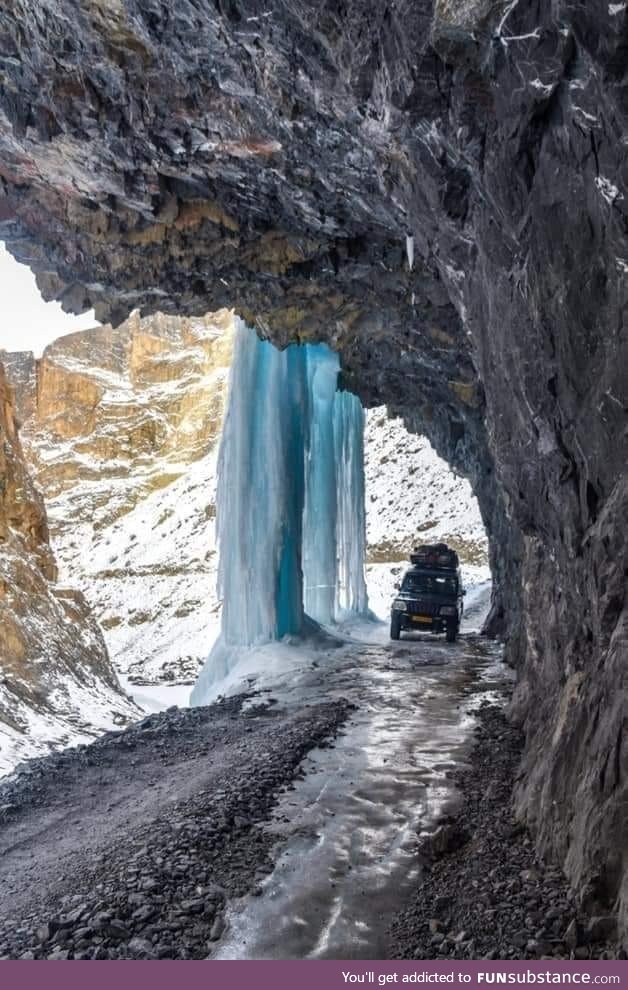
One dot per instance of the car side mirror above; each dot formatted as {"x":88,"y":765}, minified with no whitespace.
{"x":397,"y":585}
{"x":464,"y":592}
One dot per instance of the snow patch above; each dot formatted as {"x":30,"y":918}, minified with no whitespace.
{"x":413,"y":497}
{"x":410,"y":251}
{"x":608,"y":190}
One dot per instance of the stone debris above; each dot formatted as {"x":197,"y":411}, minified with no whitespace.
{"x":483,"y":891}
{"x":158,"y":888}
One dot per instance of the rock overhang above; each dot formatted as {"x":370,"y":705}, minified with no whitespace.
{"x":276,"y":157}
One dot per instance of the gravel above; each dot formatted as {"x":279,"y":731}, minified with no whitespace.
{"x":483,"y":891}
{"x":131,"y":847}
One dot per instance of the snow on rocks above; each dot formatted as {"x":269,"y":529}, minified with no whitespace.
{"x":56,"y":681}
{"x":122,"y":440}
{"x":413,"y":497}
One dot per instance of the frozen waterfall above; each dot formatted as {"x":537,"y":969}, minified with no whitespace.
{"x":290,"y":503}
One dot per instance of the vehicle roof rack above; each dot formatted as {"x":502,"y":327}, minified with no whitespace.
{"x":436,"y":555}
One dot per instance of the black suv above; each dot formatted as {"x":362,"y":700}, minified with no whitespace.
{"x":430,"y":595}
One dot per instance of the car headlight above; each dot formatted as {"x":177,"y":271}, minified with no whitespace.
{"x":448,"y":610}
{"x":399,"y":605}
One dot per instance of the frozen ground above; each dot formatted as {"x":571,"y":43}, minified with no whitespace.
{"x":129,"y":848}
{"x":287,"y":662}
{"x":188,"y":796}
{"x":157,"y":697}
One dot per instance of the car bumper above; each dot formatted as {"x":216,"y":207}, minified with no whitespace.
{"x":427,"y":623}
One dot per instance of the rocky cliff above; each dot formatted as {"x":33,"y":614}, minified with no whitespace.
{"x":56,"y":682}
{"x":120,"y":431}
{"x":439,"y":189}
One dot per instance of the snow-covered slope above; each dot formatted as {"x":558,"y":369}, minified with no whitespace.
{"x":151,"y":577}
{"x":58,"y":698}
{"x":122,"y":433}
{"x":56,"y":681}
{"x":412,"y":497}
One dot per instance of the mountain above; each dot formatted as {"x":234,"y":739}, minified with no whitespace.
{"x":121,"y":429}
{"x":57,"y":684}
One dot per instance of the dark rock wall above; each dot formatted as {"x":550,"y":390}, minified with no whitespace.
{"x":276,"y":156}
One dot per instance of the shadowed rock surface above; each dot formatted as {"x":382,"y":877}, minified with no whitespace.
{"x":439,"y":191}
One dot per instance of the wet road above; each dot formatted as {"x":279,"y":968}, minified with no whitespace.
{"x":349,"y":828}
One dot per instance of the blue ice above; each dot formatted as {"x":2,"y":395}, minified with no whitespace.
{"x":290,"y":517}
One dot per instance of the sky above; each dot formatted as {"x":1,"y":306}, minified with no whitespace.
{"x":27,"y":323}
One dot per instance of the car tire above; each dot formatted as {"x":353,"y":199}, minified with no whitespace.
{"x":395,"y":627}
{"x":452,"y":633}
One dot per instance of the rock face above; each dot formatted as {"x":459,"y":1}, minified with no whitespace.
{"x":121,"y":438}
{"x":56,"y":681}
{"x":440,"y":191}
{"x":21,"y":372}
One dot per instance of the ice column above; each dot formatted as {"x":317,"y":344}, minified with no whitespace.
{"x":351,"y":594}
{"x":261,"y":492}
{"x":290,"y":502}
{"x":321,"y":487}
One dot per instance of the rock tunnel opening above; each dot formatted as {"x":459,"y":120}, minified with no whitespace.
{"x":413,"y":498}
{"x":209,"y":191}
{"x":118,"y":424}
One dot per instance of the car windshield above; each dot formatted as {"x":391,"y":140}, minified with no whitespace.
{"x":430,"y":584}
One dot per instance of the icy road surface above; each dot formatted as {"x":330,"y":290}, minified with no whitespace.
{"x":189,"y":798}
{"x":348,"y":830}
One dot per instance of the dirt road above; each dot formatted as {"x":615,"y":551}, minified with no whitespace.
{"x":132,"y":845}
{"x":348,"y":832}
{"x":246,"y":832}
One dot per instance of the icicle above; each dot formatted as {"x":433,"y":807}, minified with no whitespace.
{"x":259,"y":501}
{"x":351,"y":595}
{"x":410,"y":251}
{"x":319,"y":519}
